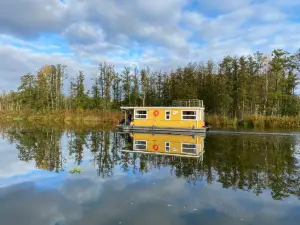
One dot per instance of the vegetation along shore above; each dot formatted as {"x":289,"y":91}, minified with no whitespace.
{"x":253,"y":91}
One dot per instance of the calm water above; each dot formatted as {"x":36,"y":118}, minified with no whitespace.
{"x":49,"y":176}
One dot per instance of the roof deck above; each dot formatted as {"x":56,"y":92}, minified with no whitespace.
{"x":189,"y":103}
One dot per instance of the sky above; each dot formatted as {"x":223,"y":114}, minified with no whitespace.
{"x":160,"y":34}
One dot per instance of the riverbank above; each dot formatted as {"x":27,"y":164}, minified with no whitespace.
{"x":255,"y":121}
{"x":61,"y":116}
{"x":97,"y":117}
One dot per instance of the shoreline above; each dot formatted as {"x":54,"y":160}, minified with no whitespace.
{"x":60,"y":116}
{"x":255,"y":121}
{"x":92,"y":117}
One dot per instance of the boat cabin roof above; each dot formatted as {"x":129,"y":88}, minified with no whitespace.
{"x":157,"y":107}
{"x":176,"y":104}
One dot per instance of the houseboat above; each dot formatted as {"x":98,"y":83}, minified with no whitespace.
{"x":182,"y":116}
{"x":166,"y":144}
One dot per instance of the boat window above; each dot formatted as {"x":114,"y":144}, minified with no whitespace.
{"x":167,"y":146}
{"x":189,"y":148}
{"x":140,"y":114}
{"x":168,"y":114}
{"x":140,"y":145}
{"x":189,"y":115}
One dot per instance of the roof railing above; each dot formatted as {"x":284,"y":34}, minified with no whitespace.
{"x":176,"y":103}
{"x":187,"y":103}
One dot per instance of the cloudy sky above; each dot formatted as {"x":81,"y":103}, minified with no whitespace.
{"x":159,"y":34}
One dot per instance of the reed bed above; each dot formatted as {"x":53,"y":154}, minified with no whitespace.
{"x":96,"y":118}
{"x":61,"y":116}
{"x":256,"y":121}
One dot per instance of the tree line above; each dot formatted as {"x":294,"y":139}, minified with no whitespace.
{"x":234,"y":87}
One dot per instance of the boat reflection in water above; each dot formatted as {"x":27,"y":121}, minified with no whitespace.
{"x":173,"y":145}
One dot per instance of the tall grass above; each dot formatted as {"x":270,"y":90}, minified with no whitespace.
{"x":61,"y":116}
{"x":274,"y":121}
{"x":7,"y":126}
{"x":221,"y":121}
{"x":256,"y":121}
{"x":96,"y":118}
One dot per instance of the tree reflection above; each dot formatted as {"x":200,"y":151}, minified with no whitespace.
{"x":247,"y":162}
{"x":77,"y":142}
{"x":43,"y":146}
{"x":255,"y":163}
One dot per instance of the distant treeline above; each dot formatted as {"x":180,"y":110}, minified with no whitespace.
{"x":234,"y":87}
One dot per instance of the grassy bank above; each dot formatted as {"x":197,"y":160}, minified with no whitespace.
{"x":61,"y":116}
{"x":256,"y":121}
{"x":9,"y":126}
{"x":96,"y":118}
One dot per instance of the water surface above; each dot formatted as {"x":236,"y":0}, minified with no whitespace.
{"x":51,"y":176}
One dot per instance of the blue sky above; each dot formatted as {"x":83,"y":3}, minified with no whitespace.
{"x":160,"y":34}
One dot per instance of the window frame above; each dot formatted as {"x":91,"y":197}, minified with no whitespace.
{"x":196,"y":148}
{"x":134,"y":144}
{"x":169,"y":111}
{"x":196,"y":115}
{"x":167,"y":142}
{"x":135,"y":114}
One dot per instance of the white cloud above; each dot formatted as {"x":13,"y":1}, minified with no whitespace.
{"x":28,"y":18}
{"x":16,"y":62}
{"x":84,"y":33}
{"x":165,"y":33}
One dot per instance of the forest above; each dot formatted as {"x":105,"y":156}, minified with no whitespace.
{"x":235,"y":87}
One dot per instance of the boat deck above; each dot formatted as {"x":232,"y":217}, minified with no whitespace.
{"x":166,"y":154}
{"x":154,"y":129}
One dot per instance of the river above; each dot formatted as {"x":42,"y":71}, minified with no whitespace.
{"x":59,"y":177}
